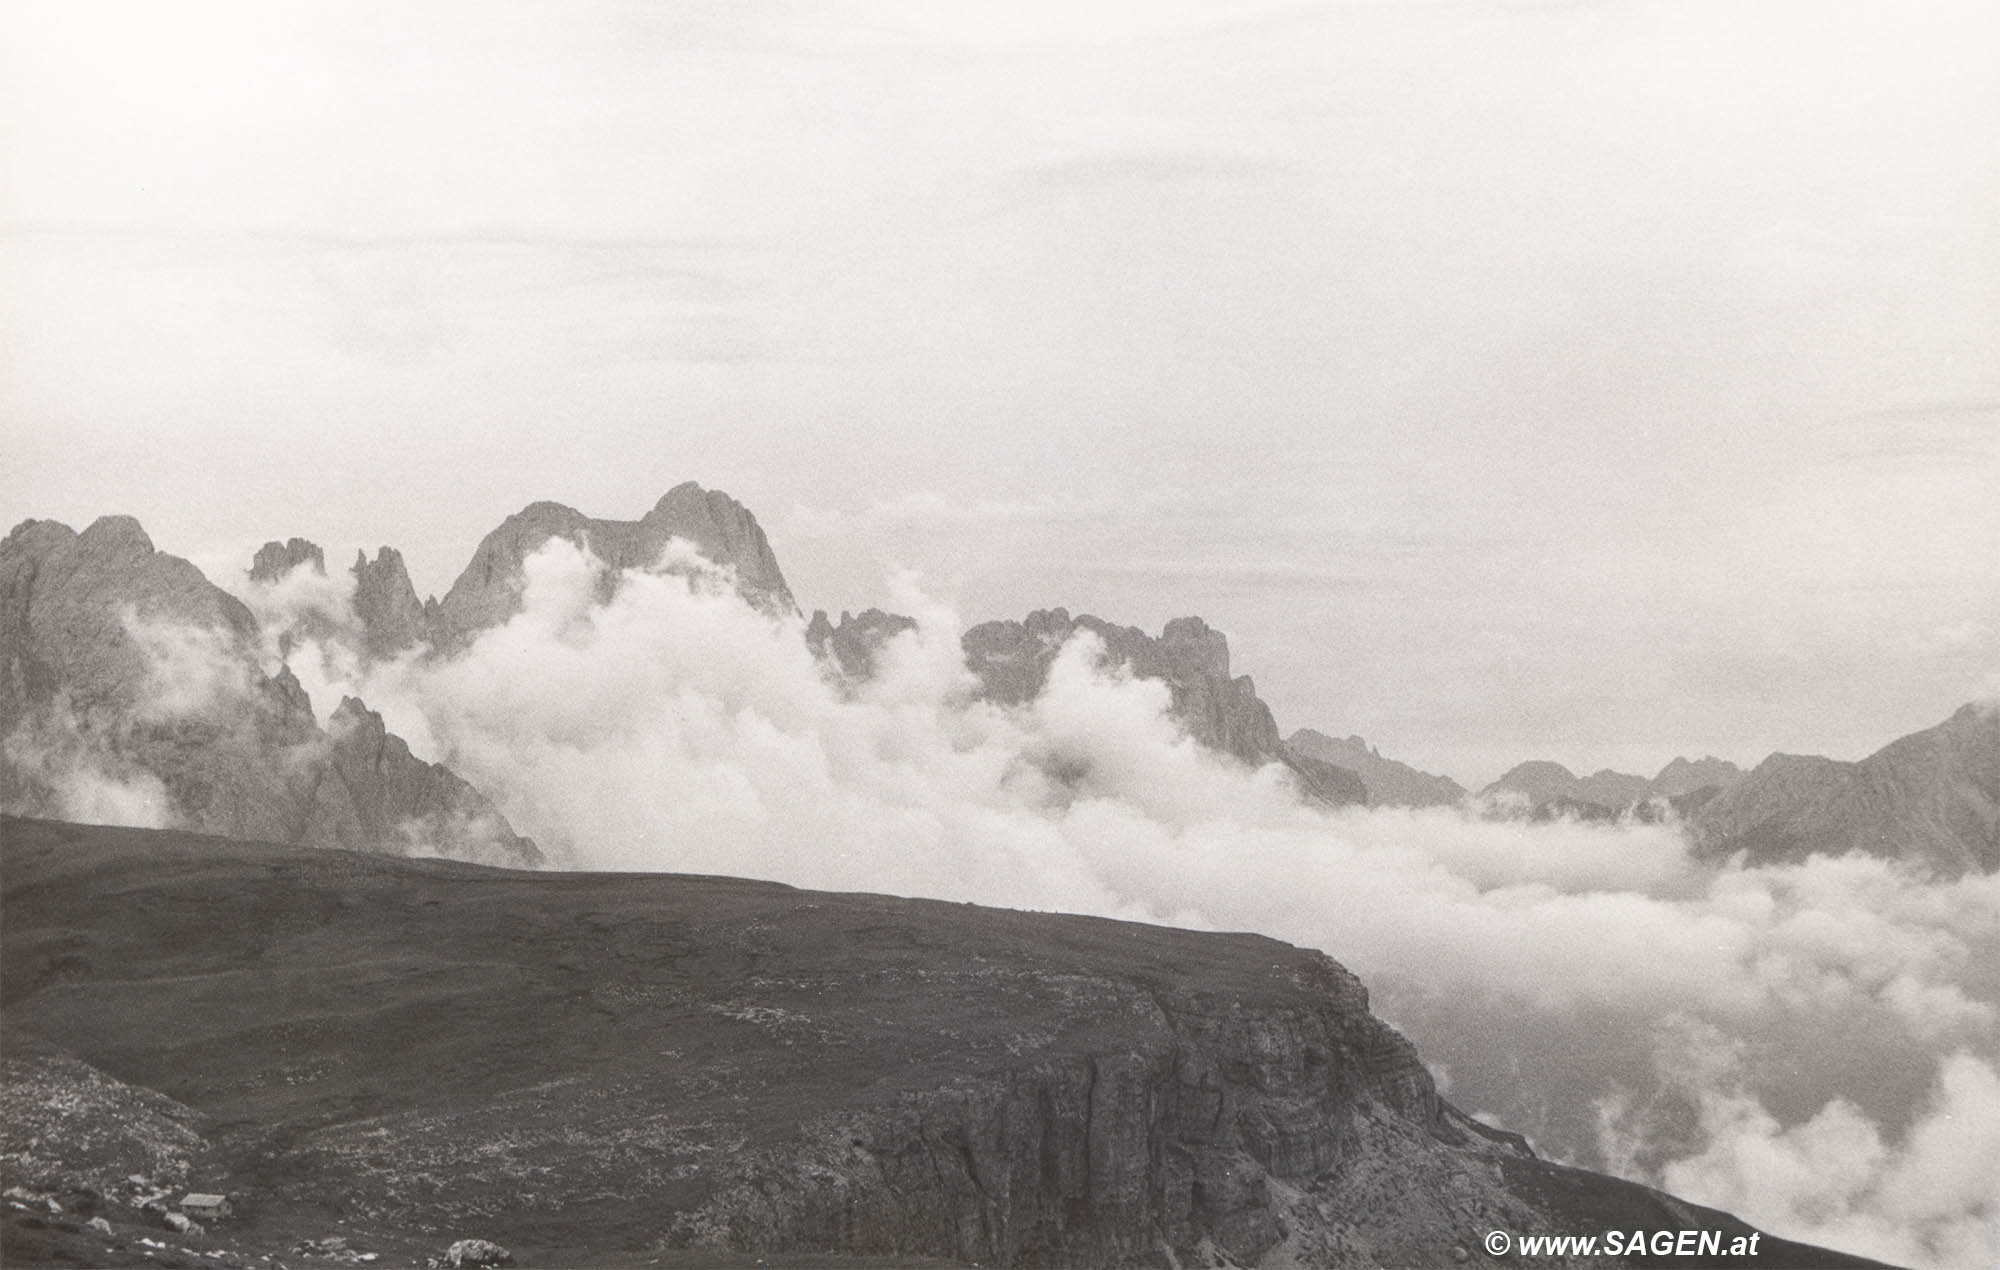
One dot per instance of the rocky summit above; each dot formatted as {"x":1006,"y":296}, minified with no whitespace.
{"x":375,"y":1058}
{"x":274,"y":560}
{"x":386,"y":606}
{"x":721,"y":529}
{"x":852,"y":646}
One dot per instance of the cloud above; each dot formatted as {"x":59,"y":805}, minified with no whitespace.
{"x":1836,"y":1178}
{"x":60,"y":769}
{"x":1275,"y":574}
{"x":1139,"y":167}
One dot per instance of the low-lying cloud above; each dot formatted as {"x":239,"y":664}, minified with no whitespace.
{"x":1813,"y":1046}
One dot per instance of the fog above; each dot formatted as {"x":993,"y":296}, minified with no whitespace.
{"x":1813,"y":1047}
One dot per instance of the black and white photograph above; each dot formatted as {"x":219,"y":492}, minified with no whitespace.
{"x":1350,"y":634}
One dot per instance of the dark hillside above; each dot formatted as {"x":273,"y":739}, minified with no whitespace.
{"x":594,"y":1068}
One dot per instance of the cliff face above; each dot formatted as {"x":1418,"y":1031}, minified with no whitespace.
{"x":586,"y":1067}
{"x":488,"y":592}
{"x":373,"y":791}
{"x":1931,"y":799}
{"x":392,"y":619}
{"x":131,"y":687}
{"x":1389,"y":783}
{"x":1012,"y":660}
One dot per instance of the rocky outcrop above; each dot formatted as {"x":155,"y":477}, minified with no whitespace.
{"x":1389,"y":783}
{"x":488,"y":592}
{"x":392,"y":619}
{"x":596,"y":1067}
{"x":1930,"y":799}
{"x":276,"y":559}
{"x":1011,"y":661}
{"x":131,"y":688}
{"x":373,"y":790}
{"x":851,"y":647}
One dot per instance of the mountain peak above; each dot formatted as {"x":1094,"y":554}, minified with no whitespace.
{"x":392,"y":618}
{"x":276,"y":559}
{"x":488,"y":592}
{"x":120,"y":534}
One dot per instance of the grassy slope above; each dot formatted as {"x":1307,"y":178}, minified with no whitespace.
{"x":425,"y":1050}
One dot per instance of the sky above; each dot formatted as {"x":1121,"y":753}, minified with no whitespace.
{"x":1591,"y":381}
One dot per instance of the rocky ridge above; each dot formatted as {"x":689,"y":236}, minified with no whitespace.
{"x":1011,"y":661}
{"x":1931,"y":799}
{"x":1390,"y":783}
{"x":1543,"y":790}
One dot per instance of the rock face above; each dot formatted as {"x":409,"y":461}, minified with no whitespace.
{"x":488,"y":592}
{"x":1012,"y":660}
{"x":1931,"y":799}
{"x":375,"y":791}
{"x":1390,"y":784}
{"x":274,"y":559}
{"x":392,"y":619}
{"x":588,"y":1067}
{"x":852,"y":646}
{"x":131,"y":689}
{"x":65,"y":599}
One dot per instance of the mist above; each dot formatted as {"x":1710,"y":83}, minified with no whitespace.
{"x":1813,"y":1047}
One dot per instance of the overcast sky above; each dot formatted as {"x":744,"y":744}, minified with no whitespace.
{"x":1593,"y":381}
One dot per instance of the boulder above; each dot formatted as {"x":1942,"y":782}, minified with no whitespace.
{"x":476,"y":1252}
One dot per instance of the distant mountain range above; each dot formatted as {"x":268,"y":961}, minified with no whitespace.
{"x":1931,"y":798}
{"x":83,"y":616}
{"x":1389,"y":783}
{"x":1541,"y":790}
